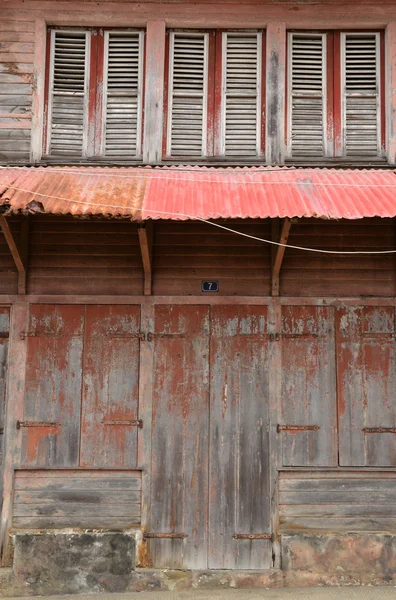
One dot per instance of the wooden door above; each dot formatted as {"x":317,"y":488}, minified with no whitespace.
{"x":180,"y":430}
{"x":50,"y":428}
{"x":366,"y":362}
{"x":239,"y":447}
{"x":109,"y":416}
{"x":308,"y":425}
{"x":4,"y":331}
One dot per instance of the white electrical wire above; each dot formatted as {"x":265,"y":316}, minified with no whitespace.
{"x":196,"y":218}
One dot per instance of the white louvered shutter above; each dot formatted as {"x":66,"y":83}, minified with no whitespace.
{"x":241,"y":94}
{"x":187,"y":97}
{"x":68,"y":93}
{"x":122,"y":122}
{"x":307,"y":95}
{"x":361,"y":97}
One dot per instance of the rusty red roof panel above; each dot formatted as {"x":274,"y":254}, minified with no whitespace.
{"x":200,"y":192}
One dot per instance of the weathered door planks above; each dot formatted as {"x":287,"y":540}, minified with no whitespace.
{"x":51,"y":415}
{"x":239,"y":448}
{"x":110,"y":387}
{"x":366,"y":377}
{"x":4,"y":331}
{"x":308,"y":386}
{"x":180,"y":427}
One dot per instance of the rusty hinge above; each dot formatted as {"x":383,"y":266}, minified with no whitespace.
{"x":172,"y":536}
{"x":252,"y":536}
{"x":1,"y":430}
{"x":20,"y":424}
{"x":140,"y":336}
{"x":300,"y":335}
{"x":131,"y":422}
{"x":297,"y":428}
{"x":274,"y":337}
{"x":151,"y":335}
{"x":4,"y":335}
{"x":379,"y":429}
{"x":48,"y":334}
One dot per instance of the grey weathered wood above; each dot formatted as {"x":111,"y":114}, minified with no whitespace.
{"x":64,"y":498}
{"x":4,"y":329}
{"x":180,"y":425}
{"x":110,"y":386}
{"x":53,"y":386}
{"x":275,"y":92}
{"x":239,"y":448}
{"x":154,"y":91}
{"x":308,"y":386}
{"x":366,"y":380}
{"x":38,"y":90}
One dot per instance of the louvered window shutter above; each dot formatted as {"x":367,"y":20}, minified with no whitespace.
{"x":68,"y":93}
{"x":361,"y":101}
{"x":187,"y":95}
{"x":241,"y":94}
{"x":307,"y":95}
{"x":122,"y":122}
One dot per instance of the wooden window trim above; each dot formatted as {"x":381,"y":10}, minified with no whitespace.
{"x":334,"y":134}
{"x":214,"y":126}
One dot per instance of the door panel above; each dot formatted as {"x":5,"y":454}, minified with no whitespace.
{"x":110,"y":387}
{"x":366,"y":385}
{"x":308,"y":386}
{"x":51,"y":415}
{"x":180,"y":426}
{"x":4,"y":330}
{"x":239,"y":448}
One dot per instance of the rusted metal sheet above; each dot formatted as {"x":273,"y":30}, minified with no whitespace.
{"x":180,"y":430}
{"x":308,"y":387}
{"x":366,"y":381}
{"x":239,"y":448}
{"x":182,"y":193}
{"x":109,"y":418}
{"x":53,"y":387}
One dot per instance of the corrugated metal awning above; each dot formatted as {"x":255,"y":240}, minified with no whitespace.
{"x":183,"y":193}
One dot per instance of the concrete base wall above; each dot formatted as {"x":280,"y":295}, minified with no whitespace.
{"x":64,"y":563}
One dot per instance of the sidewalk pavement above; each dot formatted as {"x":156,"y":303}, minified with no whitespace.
{"x":322,"y":593}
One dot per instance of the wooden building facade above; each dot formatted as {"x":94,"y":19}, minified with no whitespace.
{"x":150,"y":151}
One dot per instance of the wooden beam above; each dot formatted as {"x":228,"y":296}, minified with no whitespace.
{"x":146,"y":248}
{"x":154,"y":94}
{"x":275,"y":93}
{"x":24,"y":250}
{"x":17,"y":253}
{"x":279,"y":252}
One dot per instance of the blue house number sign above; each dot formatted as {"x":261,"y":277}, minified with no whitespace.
{"x":210,"y":286}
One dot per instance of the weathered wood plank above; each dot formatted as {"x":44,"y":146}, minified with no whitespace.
{"x":154,"y":95}
{"x":47,"y":495}
{"x":53,"y":386}
{"x":340,"y":524}
{"x":308,"y":386}
{"x":366,"y":381}
{"x":110,"y":386}
{"x":239,"y":457}
{"x":94,"y":521}
{"x":180,"y":425}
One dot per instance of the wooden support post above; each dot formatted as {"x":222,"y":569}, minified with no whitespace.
{"x":146,"y":248}
{"x":390,"y":93}
{"x":24,"y":250}
{"x":40,"y":41}
{"x":275,"y":93}
{"x":154,"y":94}
{"x":278,"y":253}
{"x":18,"y":254}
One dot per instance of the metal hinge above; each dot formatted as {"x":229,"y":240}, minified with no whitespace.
{"x":140,"y":336}
{"x":297,"y":428}
{"x":274,"y":337}
{"x":253,"y":536}
{"x":151,"y":335}
{"x":172,"y":536}
{"x":4,"y":335}
{"x":20,"y":424}
{"x":379,"y":429}
{"x":130,"y":422}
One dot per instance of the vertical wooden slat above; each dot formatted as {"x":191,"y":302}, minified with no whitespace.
{"x":38,"y":92}
{"x":366,"y":361}
{"x":180,"y":425}
{"x":24,"y":250}
{"x":53,"y":386}
{"x":308,"y":386}
{"x":14,"y":412}
{"x":110,"y":386}
{"x":4,"y":330}
{"x":154,"y":94}
{"x":239,"y":448}
{"x":390,"y":66}
{"x":275,"y":92}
